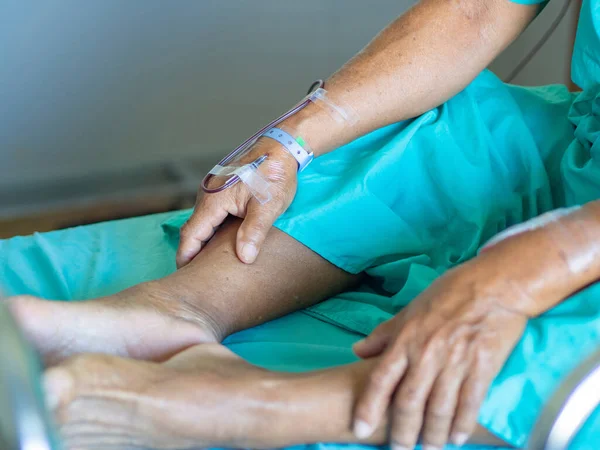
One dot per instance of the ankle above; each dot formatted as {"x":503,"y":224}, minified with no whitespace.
{"x":184,"y":308}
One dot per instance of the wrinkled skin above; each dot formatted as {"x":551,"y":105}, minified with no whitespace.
{"x":439,"y":357}
{"x":211,"y":210}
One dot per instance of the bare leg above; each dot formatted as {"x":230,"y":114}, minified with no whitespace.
{"x":207,"y":300}
{"x":206,"y":396}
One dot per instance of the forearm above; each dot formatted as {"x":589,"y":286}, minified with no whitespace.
{"x":418,"y":62}
{"x":544,"y":266}
{"x":318,"y":407}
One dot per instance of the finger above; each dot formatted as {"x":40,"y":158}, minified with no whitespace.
{"x":472,"y":394}
{"x":381,"y":383}
{"x":254,"y":229}
{"x":375,"y":343}
{"x":199,"y":228}
{"x":409,"y":402}
{"x":441,"y":407}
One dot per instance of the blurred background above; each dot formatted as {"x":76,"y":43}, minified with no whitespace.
{"x":117,"y":108}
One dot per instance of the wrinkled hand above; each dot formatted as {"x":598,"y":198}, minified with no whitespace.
{"x":439,"y":357}
{"x":280,"y":170}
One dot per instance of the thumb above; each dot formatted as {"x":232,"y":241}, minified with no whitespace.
{"x":253,"y":231}
{"x":375,"y":343}
{"x":199,"y":228}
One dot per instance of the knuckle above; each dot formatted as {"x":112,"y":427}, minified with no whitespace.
{"x":481,"y":358}
{"x":457,"y":353}
{"x":443,"y":399}
{"x":186,"y":231}
{"x":432,"y":349}
{"x":469,"y":404}
{"x":258,"y":223}
{"x":473,"y":396}
{"x":409,"y":399}
{"x":439,"y":415}
{"x":256,"y":232}
{"x":379,"y":379}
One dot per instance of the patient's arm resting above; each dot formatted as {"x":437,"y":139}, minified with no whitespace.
{"x":545,"y":264}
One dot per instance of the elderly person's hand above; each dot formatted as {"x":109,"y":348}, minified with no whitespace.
{"x":379,"y":86}
{"x":279,"y":170}
{"x":440,"y":354}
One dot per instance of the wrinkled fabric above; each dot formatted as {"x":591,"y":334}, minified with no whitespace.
{"x":585,"y":65}
{"x":98,"y":260}
{"x":584,"y":115}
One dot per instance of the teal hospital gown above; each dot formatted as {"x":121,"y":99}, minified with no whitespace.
{"x":403,"y":204}
{"x":408,"y":201}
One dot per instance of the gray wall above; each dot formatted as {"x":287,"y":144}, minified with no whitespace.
{"x":94,"y":86}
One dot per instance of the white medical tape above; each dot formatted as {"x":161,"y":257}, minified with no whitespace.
{"x":249,"y":175}
{"x":345,"y":114}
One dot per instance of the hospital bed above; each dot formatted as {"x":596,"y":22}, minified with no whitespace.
{"x":97,"y":260}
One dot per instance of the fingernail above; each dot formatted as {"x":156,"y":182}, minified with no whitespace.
{"x":399,"y":447}
{"x":362,"y":430}
{"x":249,"y":253}
{"x":460,"y":439}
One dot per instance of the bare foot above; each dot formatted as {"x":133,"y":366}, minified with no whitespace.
{"x":134,"y":324}
{"x":204,"y":396}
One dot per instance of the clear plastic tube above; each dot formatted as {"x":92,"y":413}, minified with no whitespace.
{"x":231,"y":169}
{"x":250,"y":176}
